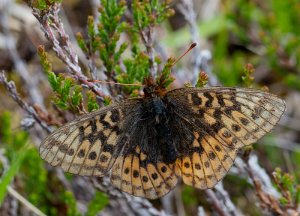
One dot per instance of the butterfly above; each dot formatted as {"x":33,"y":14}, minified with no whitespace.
{"x":146,"y":144}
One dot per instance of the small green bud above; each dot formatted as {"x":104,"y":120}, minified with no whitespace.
{"x":100,"y":9}
{"x":170,"y":12}
{"x":122,"y":3}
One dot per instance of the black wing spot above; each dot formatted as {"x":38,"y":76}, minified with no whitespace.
{"x":197,"y":166}
{"x":196,"y":100}
{"x":103,"y":122}
{"x":100,"y":136}
{"x":163,"y":169}
{"x":254,"y":116}
{"x":244,"y":121}
{"x":136,"y":173}
{"x":201,"y":112}
{"x":126,"y":171}
{"x":91,"y":138}
{"x":206,"y":164}
{"x":226,"y":134}
{"x":115,"y":115}
{"x":108,"y":148}
{"x":154,"y":176}
{"x":71,"y":152}
{"x":211,"y":155}
{"x":92,"y":155}
{"x":145,"y":179}
{"x":63,"y":148}
{"x":217,"y":148}
{"x":236,"y":127}
{"x":81,"y":153}
{"x":217,"y":127}
{"x":209,"y":176}
{"x":199,"y":149}
{"x":220,"y":100}
{"x":210,"y":99}
{"x":217,"y":114}
{"x":93,"y":125}
{"x":225,"y":158}
{"x":81,"y":133}
{"x":228,"y":110}
{"x":103,"y":158}
{"x":187,"y":164}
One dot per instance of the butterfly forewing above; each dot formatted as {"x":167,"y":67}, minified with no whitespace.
{"x":214,"y":123}
{"x":88,"y":145}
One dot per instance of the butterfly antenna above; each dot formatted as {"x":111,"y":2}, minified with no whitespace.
{"x":186,"y":52}
{"x":116,"y":83}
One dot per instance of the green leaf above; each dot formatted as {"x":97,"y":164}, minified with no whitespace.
{"x":65,"y":91}
{"x":92,"y":102}
{"x":61,"y":104}
{"x":76,"y":97}
{"x":81,"y":42}
{"x":52,"y":78}
{"x":70,"y":200}
{"x":5,"y":127}
{"x":12,"y":171}
{"x":97,"y":204}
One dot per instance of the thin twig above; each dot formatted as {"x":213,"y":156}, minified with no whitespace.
{"x":12,"y":90}
{"x":30,"y":82}
{"x":218,"y":206}
{"x":267,"y":201}
{"x":201,"y":211}
{"x":200,"y":57}
{"x":63,"y":49}
{"x":224,"y":197}
{"x":254,"y":169}
{"x":167,"y":203}
{"x":123,"y":202}
{"x":179,"y":202}
{"x":24,"y":201}
{"x":147,"y":38}
{"x":116,"y":83}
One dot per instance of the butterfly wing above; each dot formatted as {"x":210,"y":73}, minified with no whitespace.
{"x":140,"y":169}
{"x":89,"y":145}
{"x":135,"y":174}
{"x":213,"y":123}
{"x":116,"y":140}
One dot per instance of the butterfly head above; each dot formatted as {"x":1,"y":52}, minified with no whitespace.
{"x":152,"y":89}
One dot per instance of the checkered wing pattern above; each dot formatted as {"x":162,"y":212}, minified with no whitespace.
{"x":90,"y":144}
{"x":213,"y":123}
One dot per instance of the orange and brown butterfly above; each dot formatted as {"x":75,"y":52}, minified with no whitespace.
{"x":146,"y":144}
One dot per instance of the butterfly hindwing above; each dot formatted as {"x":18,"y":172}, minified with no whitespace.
{"x":203,"y":158}
{"x":214,"y":123}
{"x":135,"y":174}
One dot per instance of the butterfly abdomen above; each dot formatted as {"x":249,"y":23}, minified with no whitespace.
{"x":165,"y":142}
{"x":163,"y":133}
